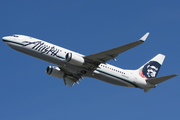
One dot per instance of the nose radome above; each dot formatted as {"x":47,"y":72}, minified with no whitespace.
{"x":5,"y":38}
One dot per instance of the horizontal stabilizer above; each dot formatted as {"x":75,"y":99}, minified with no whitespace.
{"x":160,"y":79}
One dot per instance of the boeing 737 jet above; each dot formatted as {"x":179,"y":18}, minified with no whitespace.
{"x":72,"y":66}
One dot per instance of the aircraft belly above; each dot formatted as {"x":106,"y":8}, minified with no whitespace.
{"x":113,"y":79}
{"x":110,"y":79}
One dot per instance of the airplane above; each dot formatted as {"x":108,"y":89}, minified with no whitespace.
{"x":72,"y":66}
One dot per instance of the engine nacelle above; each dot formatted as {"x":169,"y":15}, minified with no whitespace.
{"x":55,"y":71}
{"x":74,"y":59}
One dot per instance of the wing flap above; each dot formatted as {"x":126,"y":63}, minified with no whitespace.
{"x":71,"y":78}
{"x":160,"y":79}
{"x":68,"y":82}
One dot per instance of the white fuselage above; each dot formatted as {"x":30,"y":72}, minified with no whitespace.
{"x":56,"y":55}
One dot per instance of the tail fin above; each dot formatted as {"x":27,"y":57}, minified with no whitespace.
{"x":152,"y":67}
{"x":150,"y":70}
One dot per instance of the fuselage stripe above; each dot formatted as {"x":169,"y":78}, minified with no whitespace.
{"x":118,"y":78}
{"x":13,"y":42}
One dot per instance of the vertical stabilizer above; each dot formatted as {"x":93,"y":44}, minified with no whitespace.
{"x":151,"y":68}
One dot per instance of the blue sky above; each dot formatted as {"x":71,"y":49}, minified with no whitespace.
{"x":87,"y":27}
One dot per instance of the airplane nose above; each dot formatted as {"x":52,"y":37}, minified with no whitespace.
{"x":7,"y":40}
{"x":4,"y":39}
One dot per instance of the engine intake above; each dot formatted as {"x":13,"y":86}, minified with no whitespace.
{"x":74,"y":59}
{"x":55,"y":71}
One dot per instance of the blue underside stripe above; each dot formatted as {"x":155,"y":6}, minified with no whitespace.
{"x":60,"y":57}
{"x":119,"y":78}
{"x":13,"y":42}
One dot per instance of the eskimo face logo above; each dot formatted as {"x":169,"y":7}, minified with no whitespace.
{"x":151,"y":69}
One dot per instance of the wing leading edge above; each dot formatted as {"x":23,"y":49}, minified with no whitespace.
{"x":103,"y":57}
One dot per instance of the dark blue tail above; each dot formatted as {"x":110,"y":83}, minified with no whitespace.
{"x":152,"y":67}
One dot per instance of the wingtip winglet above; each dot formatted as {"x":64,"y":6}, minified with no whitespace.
{"x":144,"y":37}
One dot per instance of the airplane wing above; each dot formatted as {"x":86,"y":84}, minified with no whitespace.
{"x":103,"y":57}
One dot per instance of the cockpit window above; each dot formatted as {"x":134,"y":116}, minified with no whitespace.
{"x":15,"y":36}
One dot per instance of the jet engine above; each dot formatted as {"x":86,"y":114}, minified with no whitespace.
{"x":74,"y":59}
{"x":55,"y":71}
